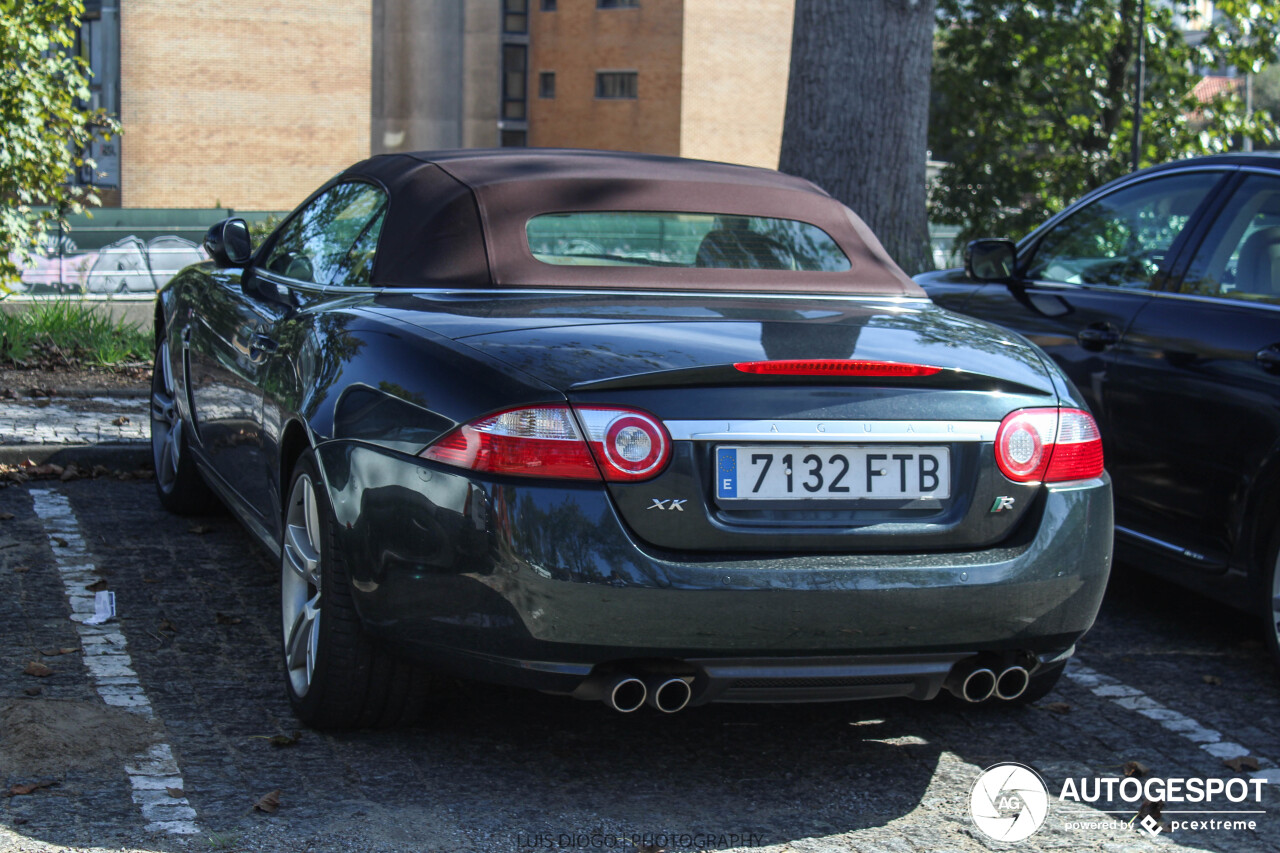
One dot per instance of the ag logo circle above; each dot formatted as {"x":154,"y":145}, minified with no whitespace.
{"x":1009,"y":802}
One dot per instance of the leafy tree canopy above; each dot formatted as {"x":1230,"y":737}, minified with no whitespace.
{"x":1033,"y":101}
{"x":44,"y":126}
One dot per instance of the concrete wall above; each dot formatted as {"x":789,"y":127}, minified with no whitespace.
{"x":578,"y":40}
{"x":434,"y":74}
{"x":242,"y":103}
{"x":736,"y":60}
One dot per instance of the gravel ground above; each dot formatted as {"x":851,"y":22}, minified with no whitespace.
{"x":499,"y":770}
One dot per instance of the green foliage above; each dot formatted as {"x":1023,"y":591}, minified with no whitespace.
{"x":57,"y":332}
{"x":1034,"y":101}
{"x":260,"y":229}
{"x":42,"y":89}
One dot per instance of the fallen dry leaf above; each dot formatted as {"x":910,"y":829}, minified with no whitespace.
{"x":1241,"y":763}
{"x":142,"y":474}
{"x":120,"y":421}
{"x":1211,"y":679}
{"x":5,"y":516}
{"x":37,"y":669}
{"x":176,"y":793}
{"x":1135,"y":768}
{"x":199,"y":529}
{"x":280,"y":740}
{"x":97,"y":586}
{"x":166,"y":625}
{"x":30,"y":787}
{"x":71,"y":472}
{"x":1152,"y":808}
{"x":33,"y":691}
{"x":269,"y":802}
{"x":151,"y":580}
{"x":225,"y":619}
{"x":22,"y":570}
{"x":1057,"y":707}
{"x":53,"y":653}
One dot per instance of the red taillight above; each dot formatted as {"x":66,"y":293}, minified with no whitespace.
{"x":628,"y":444}
{"x":1049,"y":445}
{"x":834,"y":367}
{"x":546,"y":441}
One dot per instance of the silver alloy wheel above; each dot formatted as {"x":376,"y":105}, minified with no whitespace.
{"x":166,"y":425}
{"x":300,"y":584}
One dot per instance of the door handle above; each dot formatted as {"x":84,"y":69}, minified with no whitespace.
{"x":1269,"y":358}
{"x":1098,"y":337}
{"x":264,"y":343}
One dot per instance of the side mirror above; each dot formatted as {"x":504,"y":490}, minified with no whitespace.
{"x":990,"y":260}
{"x":228,"y":243}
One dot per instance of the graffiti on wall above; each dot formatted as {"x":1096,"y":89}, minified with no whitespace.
{"x":129,"y":265}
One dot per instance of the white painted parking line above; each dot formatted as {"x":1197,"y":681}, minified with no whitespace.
{"x":1210,"y":740}
{"x":106,"y":656}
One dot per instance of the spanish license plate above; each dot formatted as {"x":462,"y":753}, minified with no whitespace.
{"x":786,"y":472}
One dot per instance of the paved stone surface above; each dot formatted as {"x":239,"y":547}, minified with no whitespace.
{"x":93,"y":420}
{"x":501,"y":770}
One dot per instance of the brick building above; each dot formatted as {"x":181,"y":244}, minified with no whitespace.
{"x":253,"y":103}
{"x":695,"y":78}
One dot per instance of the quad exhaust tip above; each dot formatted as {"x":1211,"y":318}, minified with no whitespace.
{"x":669,"y":695}
{"x":1012,"y":683}
{"x":978,"y":685}
{"x":625,"y":693}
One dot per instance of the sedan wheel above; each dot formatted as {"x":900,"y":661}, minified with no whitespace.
{"x":179,"y":485}
{"x":1272,"y":590}
{"x":337,"y":676}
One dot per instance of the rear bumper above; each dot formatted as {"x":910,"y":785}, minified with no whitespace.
{"x":542,"y":587}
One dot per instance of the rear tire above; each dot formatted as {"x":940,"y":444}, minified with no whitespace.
{"x":335,"y":675}
{"x":181,"y":489}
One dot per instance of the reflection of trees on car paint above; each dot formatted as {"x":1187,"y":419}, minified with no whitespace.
{"x":129,"y":265}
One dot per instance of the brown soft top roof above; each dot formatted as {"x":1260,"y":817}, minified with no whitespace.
{"x":457,"y":219}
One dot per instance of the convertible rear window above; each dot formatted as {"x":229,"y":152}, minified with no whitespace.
{"x":708,"y":240}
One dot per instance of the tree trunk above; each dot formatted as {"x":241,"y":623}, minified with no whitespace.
{"x":858,"y":113}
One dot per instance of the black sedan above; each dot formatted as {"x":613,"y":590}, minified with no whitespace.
{"x":1159,"y":295}
{"x":638,"y":429}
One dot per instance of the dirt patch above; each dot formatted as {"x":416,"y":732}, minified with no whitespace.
{"x":48,"y":737}
{"x":79,"y":381}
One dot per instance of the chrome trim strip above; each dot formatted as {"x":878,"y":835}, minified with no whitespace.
{"x":1160,"y":543}
{"x":817,"y":432}
{"x":618,"y":292}
{"x":1224,"y":301}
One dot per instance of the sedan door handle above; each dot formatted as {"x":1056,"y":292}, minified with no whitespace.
{"x":264,"y":343}
{"x":1098,"y":337}
{"x":1269,"y":358}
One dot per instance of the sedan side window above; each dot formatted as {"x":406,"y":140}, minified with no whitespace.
{"x":316,"y":244}
{"x":1123,"y":239}
{"x":1240,"y":259}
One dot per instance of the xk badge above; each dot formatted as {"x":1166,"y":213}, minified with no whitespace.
{"x":669,"y":504}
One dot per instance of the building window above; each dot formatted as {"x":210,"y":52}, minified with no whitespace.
{"x":616,"y":84}
{"x":514,"y":60}
{"x":547,"y":84}
{"x":514,"y":139}
{"x":617,"y":4}
{"x":515,"y":18}
{"x":548,"y":5}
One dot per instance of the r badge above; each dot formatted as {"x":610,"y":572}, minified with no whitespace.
{"x":1002,"y":503}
